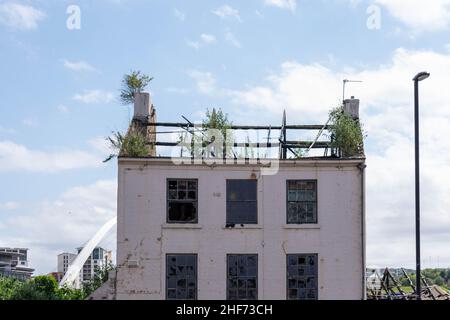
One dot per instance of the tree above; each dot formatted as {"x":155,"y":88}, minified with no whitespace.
{"x":133,"y":144}
{"x":7,"y":287}
{"x":38,"y":288}
{"x":346,"y":133}
{"x":133,"y":83}
{"x":100,"y":277}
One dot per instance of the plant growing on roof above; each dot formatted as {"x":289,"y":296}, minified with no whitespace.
{"x":346,"y":133}
{"x":205,"y":138}
{"x":133,"y":83}
{"x":133,"y":144}
{"x":216,"y":119}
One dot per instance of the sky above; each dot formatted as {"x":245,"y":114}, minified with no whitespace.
{"x":61,"y":65}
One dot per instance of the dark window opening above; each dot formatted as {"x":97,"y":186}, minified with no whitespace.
{"x":182,"y":201}
{"x":242,"y":202}
{"x":242,"y":277}
{"x":181,"y":276}
{"x":301,"y":201}
{"x":302,"y":273}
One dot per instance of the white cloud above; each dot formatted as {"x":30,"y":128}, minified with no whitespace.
{"x":193,"y":44}
{"x":63,"y":224}
{"x":10,"y":205}
{"x":208,"y":38}
{"x":7,"y":130}
{"x":205,"y":81}
{"x":179,"y":14}
{"x":94,"y":96}
{"x":226,"y":11}
{"x":17,"y":157}
{"x":63,"y":109}
{"x":283,"y":4}
{"x":308,"y":91}
{"x":418,"y":14}
{"x":78,"y":66}
{"x":21,"y":17}
{"x":205,"y":39}
{"x":231,"y":39}
{"x":30,"y":122}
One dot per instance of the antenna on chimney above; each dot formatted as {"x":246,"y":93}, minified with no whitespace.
{"x":345,"y":81}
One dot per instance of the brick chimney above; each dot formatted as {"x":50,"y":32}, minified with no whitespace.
{"x":351,"y":106}
{"x":144,"y":112}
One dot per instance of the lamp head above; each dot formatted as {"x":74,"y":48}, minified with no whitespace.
{"x":421,"y":76}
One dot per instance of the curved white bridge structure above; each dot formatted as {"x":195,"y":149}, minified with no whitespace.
{"x":75,"y":268}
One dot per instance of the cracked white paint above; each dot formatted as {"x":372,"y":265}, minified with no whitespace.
{"x":144,"y":236}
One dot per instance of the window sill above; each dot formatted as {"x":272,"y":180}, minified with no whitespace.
{"x":181,"y":226}
{"x":243,"y":226}
{"x":301,"y":226}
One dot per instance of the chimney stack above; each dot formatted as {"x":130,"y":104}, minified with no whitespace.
{"x":351,"y":107}
{"x":142,"y":106}
{"x":144,"y":113}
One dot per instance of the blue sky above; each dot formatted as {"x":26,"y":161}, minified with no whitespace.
{"x":251,"y":58}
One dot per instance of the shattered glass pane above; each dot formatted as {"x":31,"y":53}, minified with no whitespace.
{"x":172,"y":184}
{"x":245,"y":279}
{"x":242,"y":294}
{"x":232,"y":294}
{"x":301,"y":276}
{"x":192,"y":195}
{"x":192,"y":185}
{"x":177,"y":279}
{"x":292,"y":294}
{"x":292,"y":260}
{"x":172,"y":194}
{"x":301,"y":202}
{"x":252,"y":294}
{"x":172,"y":294}
{"x":181,"y":202}
{"x":251,"y":261}
{"x":251,"y":283}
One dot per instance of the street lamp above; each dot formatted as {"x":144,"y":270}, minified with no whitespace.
{"x":419,"y":77}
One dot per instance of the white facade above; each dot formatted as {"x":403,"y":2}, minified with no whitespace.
{"x":144,"y":237}
{"x":14,"y":263}
{"x":65,"y":259}
{"x":98,"y":259}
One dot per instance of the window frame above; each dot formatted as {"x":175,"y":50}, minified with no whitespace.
{"x":227,"y":201}
{"x":316,"y":201}
{"x":256,"y":276}
{"x":316,"y":276}
{"x":167,"y":275}
{"x":168,"y":221}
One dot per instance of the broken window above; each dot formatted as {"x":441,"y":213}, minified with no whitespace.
{"x":302,"y":276}
{"x":301,"y":201}
{"x":242,"y":277}
{"x":182,"y":201}
{"x":241,"y":202}
{"x":181,"y":276}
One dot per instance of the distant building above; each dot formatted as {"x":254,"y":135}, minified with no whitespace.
{"x":99,"y":258}
{"x":65,"y":259}
{"x":14,"y":263}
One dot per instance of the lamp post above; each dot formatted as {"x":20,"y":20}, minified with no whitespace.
{"x":419,"y":77}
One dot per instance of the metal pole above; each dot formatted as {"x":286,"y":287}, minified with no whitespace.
{"x":417,"y":182}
